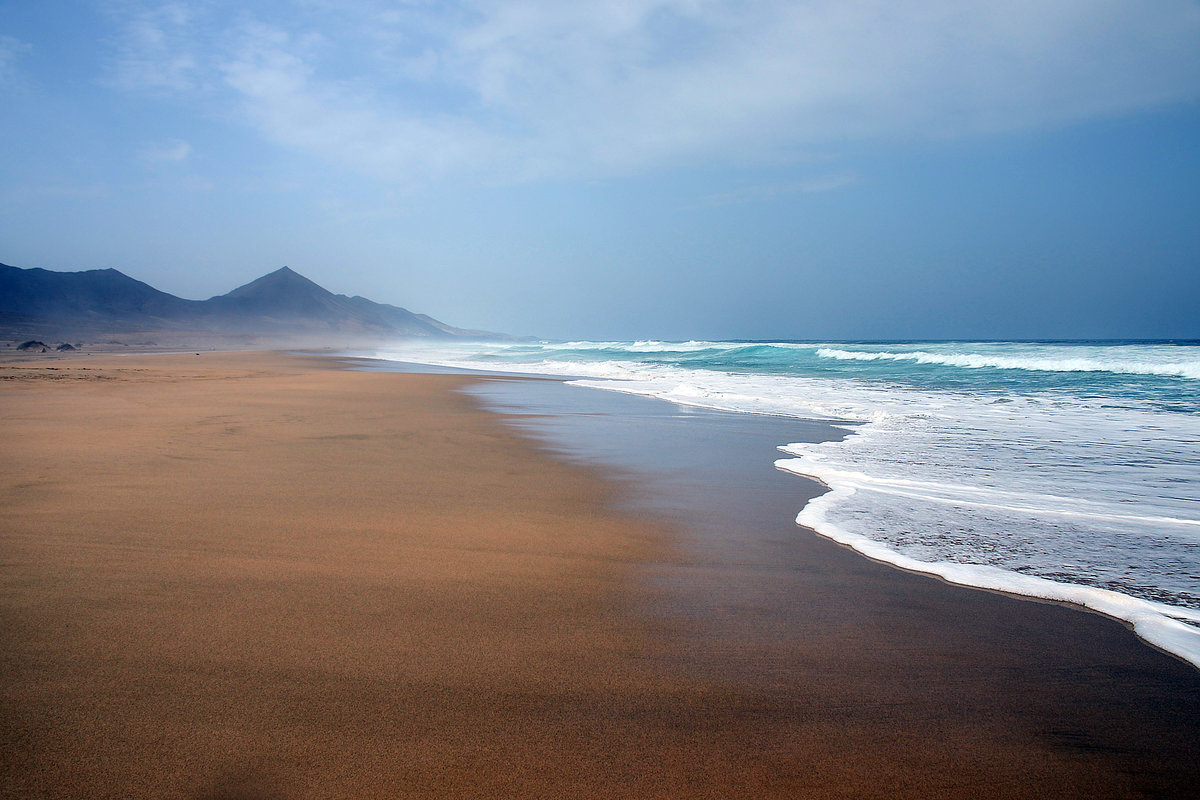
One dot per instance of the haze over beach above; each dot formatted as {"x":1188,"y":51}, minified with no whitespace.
{"x":661,"y":399}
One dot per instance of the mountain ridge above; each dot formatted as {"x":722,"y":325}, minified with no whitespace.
{"x":278,"y":303}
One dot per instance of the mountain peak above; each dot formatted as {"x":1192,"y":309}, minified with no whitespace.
{"x":281,"y":274}
{"x":282,"y":284}
{"x":280,"y":301}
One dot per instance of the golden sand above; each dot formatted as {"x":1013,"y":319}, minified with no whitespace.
{"x":260,"y":575}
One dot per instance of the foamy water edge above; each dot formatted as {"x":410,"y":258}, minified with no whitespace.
{"x":1158,"y":624}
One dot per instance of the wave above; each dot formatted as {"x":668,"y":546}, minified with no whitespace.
{"x":962,"y":495}
{"x":639,"y":346}
{"x":1171,"y":628}
{"x":1167,"y":369}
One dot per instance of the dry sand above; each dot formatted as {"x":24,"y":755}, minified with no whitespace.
{"x":256,"y":575}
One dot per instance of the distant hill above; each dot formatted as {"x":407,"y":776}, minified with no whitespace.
{"x":96,"y":294}
{"x":280,"y":303}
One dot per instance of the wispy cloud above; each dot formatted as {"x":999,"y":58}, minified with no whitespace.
{"x":157,"y":47}
{"x":11,"y":51}
{"x":172,"y":151}
{"x":826,"y":183}
{"x":541,"y":88}
{"x":277,"y":87}
{"x":14,"y":194}
{"x":769,"y":191}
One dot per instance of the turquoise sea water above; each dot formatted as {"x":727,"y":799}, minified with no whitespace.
{"x":1064,"y":470}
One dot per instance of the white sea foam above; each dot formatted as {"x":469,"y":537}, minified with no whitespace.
{"x":640,"y":346}
{"x":1044,"y":363}
{"x":1073,"y":497}
{"x":1165,"y":626}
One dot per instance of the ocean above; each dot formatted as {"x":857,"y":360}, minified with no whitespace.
{"x":1068,"y":471}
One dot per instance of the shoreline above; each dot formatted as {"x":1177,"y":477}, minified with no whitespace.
{"x":268,"y":575}
{"x":937,"y":471}
{"x":869,"y":549}
{"x":574,"y":439}
{"x":1158,"y":625}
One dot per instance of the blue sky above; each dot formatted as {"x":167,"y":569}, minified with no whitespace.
{"x":626,"y":169}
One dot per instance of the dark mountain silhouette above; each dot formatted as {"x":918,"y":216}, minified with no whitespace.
{"x":95,"y":294}
{"x":283,"y":291}
{"x":285,"y":299}
{"x":281,"y":303}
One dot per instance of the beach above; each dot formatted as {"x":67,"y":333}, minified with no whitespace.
{"x":257,"y":575}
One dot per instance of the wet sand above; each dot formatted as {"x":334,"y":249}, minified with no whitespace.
{"x":255,"y":575}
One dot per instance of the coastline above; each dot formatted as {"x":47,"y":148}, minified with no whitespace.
{"x":1037,"y":462}
{"x":712,"y":474}
{"x":1113,"y":537}
{"x":1158,"y":625}
{"x":272,"y":576}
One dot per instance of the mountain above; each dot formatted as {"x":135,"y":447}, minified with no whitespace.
{"x":95,"y":294}
{"x":285,"y":299}
{"x":280,"y":303}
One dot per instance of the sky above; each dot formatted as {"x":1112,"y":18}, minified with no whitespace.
{"x":625,"y":169}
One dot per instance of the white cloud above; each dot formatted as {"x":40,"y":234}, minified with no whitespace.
{"x":341,"y":120}
{"x":412,"y":91}
{"x":156,"y":47}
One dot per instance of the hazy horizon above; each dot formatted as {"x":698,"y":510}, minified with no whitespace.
{"x":669,"y":169}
